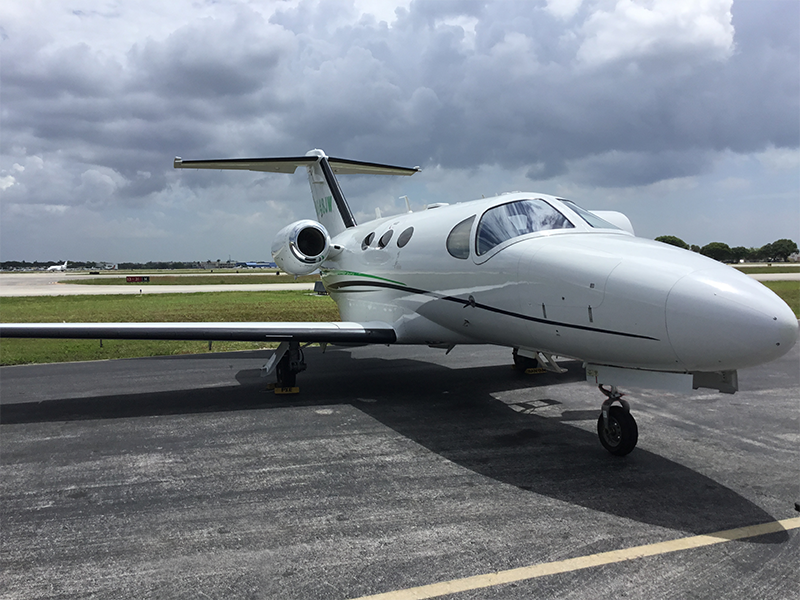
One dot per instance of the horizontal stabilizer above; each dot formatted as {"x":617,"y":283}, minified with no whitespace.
{"x":342,"y":166}
{"x":332,"y":332}
{"x":271,"y":165}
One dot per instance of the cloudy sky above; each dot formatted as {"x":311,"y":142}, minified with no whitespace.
{"x":683,"y":114}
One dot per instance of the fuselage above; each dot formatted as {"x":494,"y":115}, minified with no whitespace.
{"x":534,"y":272}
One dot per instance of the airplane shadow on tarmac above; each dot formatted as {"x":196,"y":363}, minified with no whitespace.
{"x":452,"y":413}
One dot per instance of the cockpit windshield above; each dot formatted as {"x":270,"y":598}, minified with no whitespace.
{"x":591,"y":219}
{"x":514,"y":219}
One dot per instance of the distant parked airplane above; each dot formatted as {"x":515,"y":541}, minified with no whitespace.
{"x":58,"y":267}
{"x":257,"y":265}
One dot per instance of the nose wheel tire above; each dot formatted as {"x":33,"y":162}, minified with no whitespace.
{"x":617,"y":431}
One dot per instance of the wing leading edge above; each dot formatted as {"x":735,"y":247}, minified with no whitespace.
{"x":332,"y":332}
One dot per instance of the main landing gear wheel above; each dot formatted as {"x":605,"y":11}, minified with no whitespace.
{"x":616,"y":426}
{"x":287,"y":377}
{"x":289,"y":365}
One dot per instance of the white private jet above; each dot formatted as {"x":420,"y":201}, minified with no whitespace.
{"x":58,"y":267}
{"x":529,"y":271}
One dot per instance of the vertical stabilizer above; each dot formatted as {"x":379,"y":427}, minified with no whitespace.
{"x":329,"y":202}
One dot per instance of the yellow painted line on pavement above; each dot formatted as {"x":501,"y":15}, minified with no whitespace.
{"x":583,"y":562}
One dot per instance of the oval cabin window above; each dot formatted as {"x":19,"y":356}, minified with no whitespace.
{"x":385,"y":239}
{"x":403,"y":238}
{"x":367,"y":241}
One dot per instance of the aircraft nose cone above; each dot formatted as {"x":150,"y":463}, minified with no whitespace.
{"x":720,"y":319}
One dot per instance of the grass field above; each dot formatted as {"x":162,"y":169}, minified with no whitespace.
{"x":789,"y":291}
{"x":208,"y":307}
{"x":222,"y":306}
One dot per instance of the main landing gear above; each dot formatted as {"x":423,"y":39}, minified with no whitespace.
{"x":616,"y":426}
{"x":287,"y":362}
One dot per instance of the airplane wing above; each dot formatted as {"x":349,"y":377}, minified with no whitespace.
{"x":332,"y":332}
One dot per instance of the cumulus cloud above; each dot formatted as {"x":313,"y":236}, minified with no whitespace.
{"x":780,"y":159}
{"x":661,"y":29}
{"x":563,"y":9}
{"x":608,"y":169}
{"x":211,"y":58}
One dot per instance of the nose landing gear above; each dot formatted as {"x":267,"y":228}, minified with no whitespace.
{"x":616,"y":427}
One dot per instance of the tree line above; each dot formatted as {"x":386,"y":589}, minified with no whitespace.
{"x":777,"y":251}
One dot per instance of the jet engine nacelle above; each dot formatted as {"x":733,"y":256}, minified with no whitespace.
{"x":301,"y":247}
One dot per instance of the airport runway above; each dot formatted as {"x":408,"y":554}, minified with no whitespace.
{"x":47,"y":284}
{"x":182,"y":477}
{"x":776,"y":276}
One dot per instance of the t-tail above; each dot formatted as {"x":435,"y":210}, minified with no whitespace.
{"x":331,"y":207}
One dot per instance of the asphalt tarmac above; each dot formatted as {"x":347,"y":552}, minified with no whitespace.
{"x":182,"y":477}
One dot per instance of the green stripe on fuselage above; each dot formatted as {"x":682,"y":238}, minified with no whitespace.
{"x":355,"y":274}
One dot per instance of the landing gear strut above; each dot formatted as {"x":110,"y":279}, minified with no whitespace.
{"x":616,"y":427}
{"x":287,"y":361}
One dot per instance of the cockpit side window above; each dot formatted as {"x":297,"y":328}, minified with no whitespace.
{"x":458,"y":239}
{"x":592,"y":219}
{"x":514,"y":219}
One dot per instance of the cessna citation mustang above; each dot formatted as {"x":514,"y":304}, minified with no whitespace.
{"x":529,"y":271}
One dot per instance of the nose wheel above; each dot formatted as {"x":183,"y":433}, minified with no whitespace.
{"x":616,"y":426}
